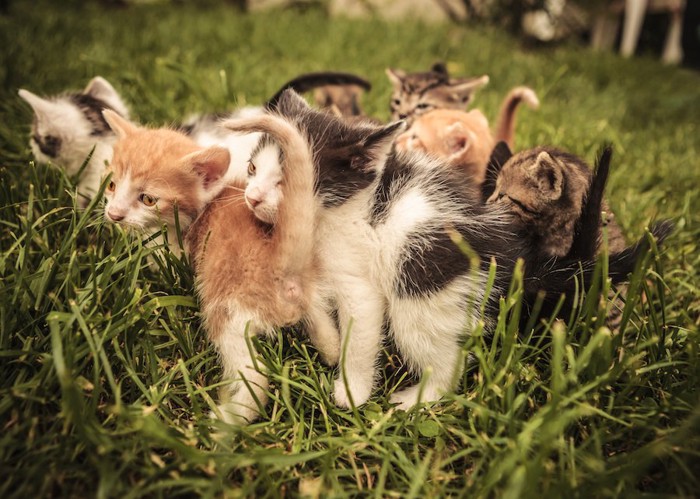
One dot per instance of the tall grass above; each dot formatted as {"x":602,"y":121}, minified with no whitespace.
{"x":106,"y":377}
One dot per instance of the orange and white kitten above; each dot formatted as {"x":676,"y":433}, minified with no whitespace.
{"x":463,"y":138}
{"x":251,"y":278}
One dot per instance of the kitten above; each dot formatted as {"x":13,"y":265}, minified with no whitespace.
{"x":68,"y":127}
{"x":462,"y":139}
{"x":250,"y":278}
{"x":415,"y":94}
{"x":385,"y":241}
{"x":546,"y":189}
{"x":342,"y":100}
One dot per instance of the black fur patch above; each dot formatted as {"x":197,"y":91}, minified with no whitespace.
{"x":48,"y":144}
{"x":92,"y":110}
{"x":395,"y":176}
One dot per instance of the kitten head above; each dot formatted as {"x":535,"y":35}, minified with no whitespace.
{"x":67,"y":127}
{"x":415,"y":94}
{"x":463,"y":139}
{"x":343,"y":100}
{"x":542,"y":183}
{"x":263,"y":192}
{"x":348,"y":155}
{"x":156,"y":171}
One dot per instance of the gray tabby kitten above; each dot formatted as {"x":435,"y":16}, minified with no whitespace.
{"x":417,"y":93}
{"x":67,"y":127}
{"x":546,"y":189}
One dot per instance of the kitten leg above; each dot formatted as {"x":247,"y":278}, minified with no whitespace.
{"x":428,"y":333}
{"x":361,"y":316}
{"x":239,"y":400}
{"x":323,"y":332}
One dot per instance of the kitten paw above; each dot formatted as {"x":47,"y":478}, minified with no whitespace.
{"x":360,"y":393}
{"x":409,"y":398}
{"x":235,"y":413}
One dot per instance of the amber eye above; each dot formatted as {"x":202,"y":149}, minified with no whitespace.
{"x":111,"y":186}
{"x":251,"y":168}
{"x":148,"y":200}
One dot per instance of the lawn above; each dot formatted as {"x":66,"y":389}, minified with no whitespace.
{"x":106,"y":377}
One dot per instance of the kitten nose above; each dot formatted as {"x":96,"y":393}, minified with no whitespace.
{"x":253,"y":201}
{"x":115,"y":217}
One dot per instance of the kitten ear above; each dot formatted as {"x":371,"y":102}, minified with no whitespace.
{"x":457,"y":140}
{"x":39,"y":105}
{"x":499,"y":157}
{"x":396,"y":76}
{"x":291,"y":103}
{"x":549,"y":174}
{"x":119,"y":125}
{"x":463,"y":89}
{"x":101,"y":89}
{"x":379,"y":142}
{"x":210,"y":164}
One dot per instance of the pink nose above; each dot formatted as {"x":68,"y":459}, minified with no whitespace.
{"x":115,"y":217}
{"x":253,"y":201}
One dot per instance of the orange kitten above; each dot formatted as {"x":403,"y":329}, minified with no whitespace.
{"x":251,"y":277}
{"x":462,"y":138}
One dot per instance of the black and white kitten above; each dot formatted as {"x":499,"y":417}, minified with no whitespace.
{"x":386,"y":243}
{"x":67,"y":127}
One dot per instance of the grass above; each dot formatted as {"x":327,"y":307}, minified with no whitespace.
{"x":106,"y":376}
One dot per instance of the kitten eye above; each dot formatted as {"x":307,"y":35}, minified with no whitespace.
{"x":148,"y":200}
{"x":423,"y":106}
{"x":111,"y":186}
{"x":251,"y":168}
{"x":396,"y":102}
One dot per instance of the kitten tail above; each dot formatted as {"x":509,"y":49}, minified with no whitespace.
{"x":296,"y":216}
{"x":505,"y":130}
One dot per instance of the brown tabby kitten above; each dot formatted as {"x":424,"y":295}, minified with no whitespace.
{"x":251,"y":278}
{"x":546,"y":188}
{"x":417,"y":93}
{"x":341,"y":100}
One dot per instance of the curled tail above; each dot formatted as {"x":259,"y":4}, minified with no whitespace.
{"x":309,"y":81}
{"x":505,"y":129}
{"x":296,"y":216}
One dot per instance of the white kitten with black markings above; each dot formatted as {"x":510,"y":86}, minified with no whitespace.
{"x":68,"y":126}
{"x":385,"y":242}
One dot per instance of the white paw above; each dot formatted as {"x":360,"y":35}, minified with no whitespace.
{"x":330,"y":351}
{"x":236,"y":412}
{"x":406,"y":399}
{"x":360,"y":392}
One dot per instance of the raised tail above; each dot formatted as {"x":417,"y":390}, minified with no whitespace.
{"x":309,"y":81}
{"x":587,"y":229}
{"x":296,"y":216}
{"x":505,"y":129}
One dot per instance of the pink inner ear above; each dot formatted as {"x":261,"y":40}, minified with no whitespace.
{"x":457,"y":143}
{"x":211,"y":164}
